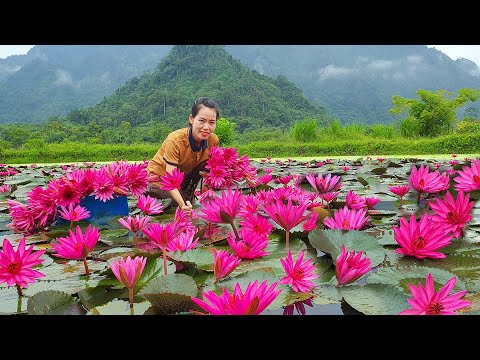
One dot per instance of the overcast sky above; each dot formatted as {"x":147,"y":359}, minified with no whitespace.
{"x":470,"y":52}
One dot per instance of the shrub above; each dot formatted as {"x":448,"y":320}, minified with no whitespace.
{"x":410,"y":127}
{"x":468,"y":126}
{"x":305,"y":130}
{"x":382,"y":131}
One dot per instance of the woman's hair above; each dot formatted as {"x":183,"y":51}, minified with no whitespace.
{"x":205,"y":102}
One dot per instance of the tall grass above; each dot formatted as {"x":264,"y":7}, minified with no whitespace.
{"x":362,"y":145}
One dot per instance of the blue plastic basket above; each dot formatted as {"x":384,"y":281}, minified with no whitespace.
{"x":101,"y":212}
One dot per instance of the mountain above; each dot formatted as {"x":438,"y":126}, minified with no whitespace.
{"x":51,"y":80}
{"x":165,"y":95}
{"x":354,"y":83}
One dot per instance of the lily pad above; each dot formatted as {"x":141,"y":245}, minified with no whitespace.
{"x":171,"y":293}
{"x":375,"y":299}
{"x":53,"y":302}
{"x":331,"y":241}
{"x":120,"y":307}
{"x":401,"y":277}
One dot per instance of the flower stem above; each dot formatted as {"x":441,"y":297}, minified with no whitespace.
{"x":164,"y":251}
{"x":130,"y":298}
{"x":237,"y":236}
{"x":135,"y":237}
{"x":19,"y":290}
{"x":287,"y":238}
{"x":19,"y":305}
{"x":87,"y":271}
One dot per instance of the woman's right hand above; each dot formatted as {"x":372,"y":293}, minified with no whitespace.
{"x":187,"y":207}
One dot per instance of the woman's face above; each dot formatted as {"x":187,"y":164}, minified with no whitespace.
{"x":203,"y":124}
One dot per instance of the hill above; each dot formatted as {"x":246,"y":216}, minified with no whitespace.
{"x":165,"y":95}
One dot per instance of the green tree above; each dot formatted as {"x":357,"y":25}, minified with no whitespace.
{"x":435,"y":111}
{"x":225,"y":131}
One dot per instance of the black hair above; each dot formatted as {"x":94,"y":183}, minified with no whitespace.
{"x":205,"y":101}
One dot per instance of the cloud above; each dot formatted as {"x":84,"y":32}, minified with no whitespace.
{"x":333,"y":71}
{"x":63,"y":78}
{"x":9,"y":69}
{"x":380,"y":65}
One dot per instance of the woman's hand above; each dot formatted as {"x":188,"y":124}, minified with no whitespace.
{"x":187,"y":207}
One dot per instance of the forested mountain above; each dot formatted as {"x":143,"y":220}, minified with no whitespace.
{"x":165,"y":96}
{"x":354,"y":83}
{"x":51,"y":80}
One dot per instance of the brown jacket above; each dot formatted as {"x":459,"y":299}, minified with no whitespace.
{"x":179,"y":149}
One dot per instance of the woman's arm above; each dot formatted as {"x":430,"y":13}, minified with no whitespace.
{"x":175,"y":194}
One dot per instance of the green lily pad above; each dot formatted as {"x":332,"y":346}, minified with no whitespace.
{"x":21,"y":179}
{"x":69,"y":285}
{"x":330,"y":242}
{"x":120,"y":307}
{"x":401,"y":277}
{"x":53,"y":302}
{"x":201,"y":257}
{"x":375,"y":299}
{"x":98,"y":296}
{"x":171,"y":293}
{"x":154,"y":268}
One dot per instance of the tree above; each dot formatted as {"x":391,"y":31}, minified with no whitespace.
{"x":225,"y":131}
{"x":435,"y":111}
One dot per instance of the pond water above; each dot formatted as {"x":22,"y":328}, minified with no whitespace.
{"x":383,"y":291}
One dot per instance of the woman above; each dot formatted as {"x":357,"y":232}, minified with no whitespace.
{"x":186,"y":149}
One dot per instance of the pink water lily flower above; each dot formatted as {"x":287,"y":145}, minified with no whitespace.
{"x":427,"y":301}
{"x":354,"y":201}
{"x":453,"y":214}
{"x":223,"y":209}
{"x":16,"y":267}
{"x":134,"y":224}
{"x":77,"y":245}
{"x":73,"y":213}
{"x":350,"y":266}
{"x":424,"y":181}
{"x":347,"y":219}
{"x":184,"y":241}
{"x":421,"y":240}
{"x":299,"y":306}
{"x":299,"y":273}
{"x":468,"y":179}
{"x":255,"y":299}
{"x":224,"y":263}
{"x":286,"y":215}
{"x":171,"y":181}
{"x":400,"y":190}
{"x":249,"y":244}
{"x":137,"y":178}
{"x":325,"y":184}
{"x":103,"y":185}
{"x":128,"y":272}
{"x":149,"y":205}
{"x":371,"y":201}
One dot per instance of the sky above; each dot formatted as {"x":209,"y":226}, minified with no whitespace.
{"x":470,"y":52}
